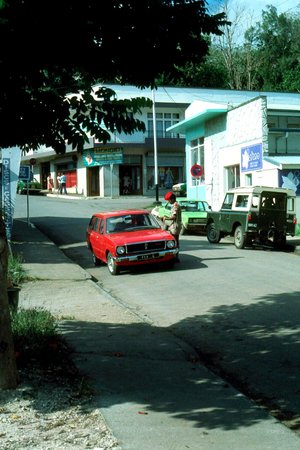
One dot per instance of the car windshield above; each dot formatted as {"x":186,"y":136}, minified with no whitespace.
{"x":131,"y":222}
{"x":192,"y":206}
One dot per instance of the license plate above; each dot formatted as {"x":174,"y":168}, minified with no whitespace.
{"x":150,"y":256}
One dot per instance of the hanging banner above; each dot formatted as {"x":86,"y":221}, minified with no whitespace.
{"x":11,"y":158}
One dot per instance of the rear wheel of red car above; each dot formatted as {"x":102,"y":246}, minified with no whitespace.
{"x":96,"y":260}
{"x":112,"y":266}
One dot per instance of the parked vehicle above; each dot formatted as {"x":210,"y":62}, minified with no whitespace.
{"x":179,"y":189}
{"x":34,"y":187}
{"x":122,"y":239}
{"x":193,"y":214}
{"x":256,"y":215}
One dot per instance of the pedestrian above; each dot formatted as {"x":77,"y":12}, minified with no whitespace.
{"x":175,"y":217}
{"x":50,"y":183}
{"x":58,"y":182}
{"x":63,"y":184}
{"x":126,"y":183}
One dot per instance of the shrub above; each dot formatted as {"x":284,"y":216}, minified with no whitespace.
{"x":35,"y":335}
{"x":15,"y":271}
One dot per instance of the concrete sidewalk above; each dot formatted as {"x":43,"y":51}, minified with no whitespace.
{"x":150,"y":387}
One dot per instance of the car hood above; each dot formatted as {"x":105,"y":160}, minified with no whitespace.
{"x":129,"y":237}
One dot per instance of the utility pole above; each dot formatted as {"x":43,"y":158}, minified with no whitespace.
{"x":155,"y":149}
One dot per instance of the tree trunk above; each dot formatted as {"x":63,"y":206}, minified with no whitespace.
{"x":8,"y":368}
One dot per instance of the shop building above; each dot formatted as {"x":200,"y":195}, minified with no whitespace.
{"x":246,"y":140}
{"x":238,"y":137}
{"x":102,"y":170}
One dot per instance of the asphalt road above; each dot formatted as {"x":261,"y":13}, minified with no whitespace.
{"x":239,"y":309}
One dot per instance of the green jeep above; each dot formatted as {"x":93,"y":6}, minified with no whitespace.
{"x":256,"y":215}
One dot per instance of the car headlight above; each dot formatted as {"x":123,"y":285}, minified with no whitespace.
{"x":120,"y":250}
{"x":170,"y":244}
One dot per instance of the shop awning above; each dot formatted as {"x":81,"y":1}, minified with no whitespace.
{"x":284,"y":162}
{"x":199,"y":118}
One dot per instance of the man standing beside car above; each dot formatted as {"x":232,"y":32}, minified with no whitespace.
{"x":175,"y":217}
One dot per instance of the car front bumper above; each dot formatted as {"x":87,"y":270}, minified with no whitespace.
{"x":147,"y":257}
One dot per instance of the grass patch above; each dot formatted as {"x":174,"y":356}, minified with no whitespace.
{"x":38,"y":343}
{"x":33,"y":324}
{"x":15,"y":271}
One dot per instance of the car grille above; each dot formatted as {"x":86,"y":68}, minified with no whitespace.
{"x":145,"y":246}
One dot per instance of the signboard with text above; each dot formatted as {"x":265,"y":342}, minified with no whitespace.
{"x":11,"y":158}
{"x":102,"y":156}
{"x":251,"y":158}
{"x":24,"y":173}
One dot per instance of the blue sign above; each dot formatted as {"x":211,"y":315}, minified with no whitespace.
{"x":102,"y":156}
{"x":7,"y":200}
{"x":24,"y":173}
{"x":251,"y":158}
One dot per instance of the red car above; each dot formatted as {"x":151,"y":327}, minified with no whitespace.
{"x":128,"y":238}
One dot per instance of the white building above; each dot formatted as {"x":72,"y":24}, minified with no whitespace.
{"x":246,"y":138}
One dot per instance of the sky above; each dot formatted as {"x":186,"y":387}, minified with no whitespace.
{"x":258,"y":5}
{"x":245,"y":13}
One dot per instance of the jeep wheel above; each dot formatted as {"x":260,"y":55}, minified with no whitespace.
{"x":239,"y":237}
{"x":279,"y":241}
{"x":111,"y":265}
{"x":213,"y":235}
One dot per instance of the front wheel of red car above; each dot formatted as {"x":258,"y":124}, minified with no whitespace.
{"x":111,"y":265}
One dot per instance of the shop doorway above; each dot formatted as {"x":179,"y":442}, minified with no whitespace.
{"x":93,"y":186}
{"x":131,"y":182}
{"x":45,"y":170}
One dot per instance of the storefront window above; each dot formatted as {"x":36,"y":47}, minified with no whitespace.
{"x":167,"y":176}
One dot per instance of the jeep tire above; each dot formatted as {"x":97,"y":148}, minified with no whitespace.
{"x":239,"y":237}
{"x":213,"y":235}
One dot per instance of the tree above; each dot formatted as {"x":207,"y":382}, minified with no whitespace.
{"x":211,"y":73}
{"x":55,"y":48}
{"x":234,"y":49}
{"x":257,"y":56}
{"x":276,"y":40}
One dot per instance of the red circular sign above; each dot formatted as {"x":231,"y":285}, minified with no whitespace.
{"x":32,"y":161}
{"x":196,"y":171}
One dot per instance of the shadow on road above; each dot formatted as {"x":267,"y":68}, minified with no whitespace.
{"x":255,"y":347}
